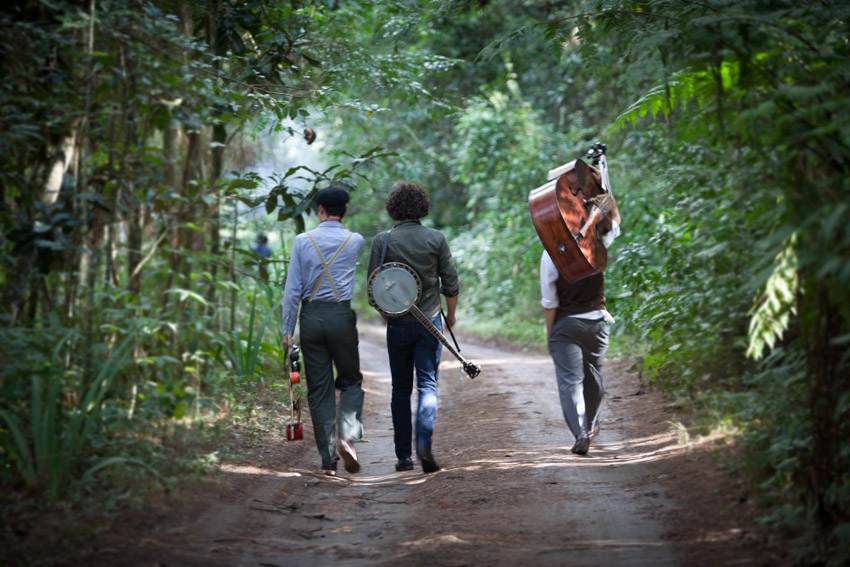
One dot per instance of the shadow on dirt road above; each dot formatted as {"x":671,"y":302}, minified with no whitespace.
{"x":510,"y":492}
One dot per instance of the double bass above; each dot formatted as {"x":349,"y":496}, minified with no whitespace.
{"x":567,"y":212}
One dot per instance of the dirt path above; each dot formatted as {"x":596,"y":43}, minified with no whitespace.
{"x":510,"y":492}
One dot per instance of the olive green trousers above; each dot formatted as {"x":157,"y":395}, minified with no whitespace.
{"x":329,"y":339}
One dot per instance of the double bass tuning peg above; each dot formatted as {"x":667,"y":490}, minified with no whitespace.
{"x":597,"y":150}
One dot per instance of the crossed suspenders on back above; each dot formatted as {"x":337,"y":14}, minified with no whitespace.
{"x":326,"y":267}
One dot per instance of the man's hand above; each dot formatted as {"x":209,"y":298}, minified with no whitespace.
{"x":451,"y":305}
{"x":287,"y":341}
{"x":450,"y":319}
{"x":549,"y":317}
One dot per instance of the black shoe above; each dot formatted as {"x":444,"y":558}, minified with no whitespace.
{"x":581,"y":446}
{"x":429,"y":465}
{"x":404,"y":464}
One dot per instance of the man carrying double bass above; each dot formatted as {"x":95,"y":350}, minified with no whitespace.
{"x":577,"y":327}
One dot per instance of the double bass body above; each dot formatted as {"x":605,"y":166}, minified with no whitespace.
{"x":559,"y":210}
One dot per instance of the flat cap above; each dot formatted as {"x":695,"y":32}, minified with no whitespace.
{"x":332,"y":197}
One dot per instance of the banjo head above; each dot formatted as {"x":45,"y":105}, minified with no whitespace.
{"x":394,"y":288}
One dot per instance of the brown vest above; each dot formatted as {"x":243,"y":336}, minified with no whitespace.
{"x":584,"y":295}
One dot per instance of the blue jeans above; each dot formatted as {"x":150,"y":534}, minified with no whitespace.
{"x":578,"y":349}
{"x":411,"y":347}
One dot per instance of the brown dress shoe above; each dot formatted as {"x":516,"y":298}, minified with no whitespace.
{"x":349,"y":456}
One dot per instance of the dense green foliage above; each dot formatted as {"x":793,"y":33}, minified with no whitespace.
{"x":751,"y":104}
{"x":729,"y":128}
{"x":129,"y":170}
{"x":125,"y":280}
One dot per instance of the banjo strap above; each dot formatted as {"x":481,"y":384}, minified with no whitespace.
{"x":326,"y":267}
{"x":471,"y":369}
{"x":449,"y":327}
{"x":384,"y":252}
{"x":383,"y":257}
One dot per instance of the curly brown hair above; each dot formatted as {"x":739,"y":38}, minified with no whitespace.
{"x":408,"y":201}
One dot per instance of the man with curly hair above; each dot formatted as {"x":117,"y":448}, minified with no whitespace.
{"x":412,"y":348}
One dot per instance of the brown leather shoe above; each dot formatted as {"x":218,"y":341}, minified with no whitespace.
{"x":349,"y":456}
{"x":581,"y":446}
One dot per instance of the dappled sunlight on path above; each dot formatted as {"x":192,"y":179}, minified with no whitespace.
{"x":510,"y":492}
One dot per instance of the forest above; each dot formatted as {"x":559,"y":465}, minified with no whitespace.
{"x":147,"y":143}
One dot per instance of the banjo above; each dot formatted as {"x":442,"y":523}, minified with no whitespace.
{"x":394,"y":289}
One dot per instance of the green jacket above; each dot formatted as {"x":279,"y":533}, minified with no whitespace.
{"x":427,"y":252}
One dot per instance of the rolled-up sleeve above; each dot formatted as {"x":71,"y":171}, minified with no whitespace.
{"x":548,"y":277}
{"x":608,"y":237}
{"x":292,"y":293}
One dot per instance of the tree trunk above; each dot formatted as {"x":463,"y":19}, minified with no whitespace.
{"x":219,"y":137}
{"x":190,"y":240}
{"x":15,"y":289}
{"x":171,"y":179}
{"x":14,"y":292}
{"x":61,"y":160}
{"x":135,"y":225}
{"x":826,"y":386}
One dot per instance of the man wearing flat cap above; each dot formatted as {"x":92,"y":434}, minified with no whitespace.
{"x":320,"y":279}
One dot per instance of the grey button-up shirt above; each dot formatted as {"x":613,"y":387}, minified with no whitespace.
{"x":427,"y":252}
{"x":305,"y":269}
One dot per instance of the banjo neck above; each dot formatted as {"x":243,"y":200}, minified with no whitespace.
{"x":471,"y":369}
{"x":394,"y":289}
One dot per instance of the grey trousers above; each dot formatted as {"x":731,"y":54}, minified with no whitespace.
{"x":329,"y":338}
{"x":578,"y":349}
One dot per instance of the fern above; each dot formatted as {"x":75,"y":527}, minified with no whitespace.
{"x":772,"y":314}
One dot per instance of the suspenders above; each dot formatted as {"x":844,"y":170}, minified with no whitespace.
{"x":326,"y":267}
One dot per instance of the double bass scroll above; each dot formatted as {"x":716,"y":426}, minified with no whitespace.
{"x":566,"y":212}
